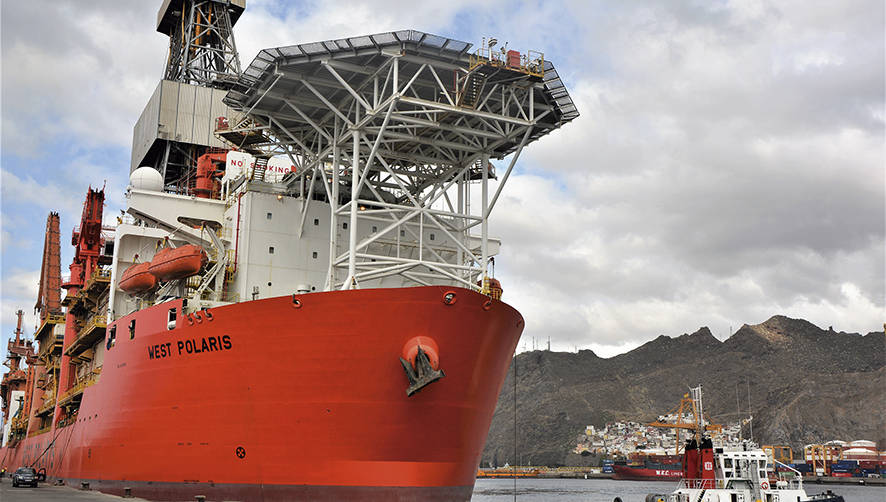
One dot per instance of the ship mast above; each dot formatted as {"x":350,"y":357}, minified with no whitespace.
{"x":16,"y":380}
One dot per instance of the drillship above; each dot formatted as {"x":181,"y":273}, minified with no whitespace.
{"x":296,"y":303}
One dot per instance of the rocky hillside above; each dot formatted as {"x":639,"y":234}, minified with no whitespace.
{"x":806,"y":385}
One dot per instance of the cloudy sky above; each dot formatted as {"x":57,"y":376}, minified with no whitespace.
{"x":728,"y":164}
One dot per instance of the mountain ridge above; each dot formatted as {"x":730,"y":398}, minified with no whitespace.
{"x":805,"y":384}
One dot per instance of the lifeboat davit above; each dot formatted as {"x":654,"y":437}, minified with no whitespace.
{"x":177,"y":263}
{"x":137,"y":279}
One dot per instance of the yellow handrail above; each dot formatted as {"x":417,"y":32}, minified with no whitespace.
{"x":46,"y":406}
{"x":78,"y":387}
{"x":96,"y":321}
{"x":41,"y":431}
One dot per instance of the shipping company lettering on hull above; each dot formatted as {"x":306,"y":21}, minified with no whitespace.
{"x":659,"y":472}
{"x":193,"y":346}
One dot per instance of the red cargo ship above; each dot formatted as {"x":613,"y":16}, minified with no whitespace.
{"x":649,"y":471}
{"x":336,"y":295}
{"x":649,"y":468}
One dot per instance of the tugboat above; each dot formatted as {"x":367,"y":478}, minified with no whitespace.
{"x":713,"y":474}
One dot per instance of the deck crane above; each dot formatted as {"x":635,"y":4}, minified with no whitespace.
{"x":88,"y":241}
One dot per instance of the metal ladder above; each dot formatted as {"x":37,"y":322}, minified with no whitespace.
{"x":259,"y":169}
{"x":475,"y":81}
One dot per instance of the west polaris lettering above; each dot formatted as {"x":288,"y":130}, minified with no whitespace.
{"x":210,"y":344}
{"x":160,"y":351}
{"x":191,"y":346}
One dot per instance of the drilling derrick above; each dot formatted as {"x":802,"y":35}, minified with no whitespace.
{"x":86,"y":300}
{"x":177,"y":125}
{"x":201,"y":41}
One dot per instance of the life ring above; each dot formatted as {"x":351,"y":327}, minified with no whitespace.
{"x":764,"y":485}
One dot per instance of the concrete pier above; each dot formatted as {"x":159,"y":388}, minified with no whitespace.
{"x":48,"y":493}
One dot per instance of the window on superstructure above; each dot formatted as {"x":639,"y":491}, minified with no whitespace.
{"x":314,"y":255}
{"x":270,"y":215}
{"x":271,"y":250}
{"x":112,"y":337}
{"x":432,"y":236}
{"x":170,"y":319}
{"x":402,"y":233}
{"x":374,"y":229}
{"x":344,"y":225}
{"x":132,"y":329}
{"x":316,"y":222}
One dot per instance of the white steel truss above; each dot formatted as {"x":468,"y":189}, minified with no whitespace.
{"x":395,"y":128}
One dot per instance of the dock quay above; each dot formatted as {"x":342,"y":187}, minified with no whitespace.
{"x":49,"y":493}
{"x":832,"y":480}
{"x":543,"y":472}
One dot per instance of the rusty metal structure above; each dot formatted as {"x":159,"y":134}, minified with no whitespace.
{"x":14,"y":385}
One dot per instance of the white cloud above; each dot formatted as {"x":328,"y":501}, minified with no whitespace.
{"x":19,"y":292}
{"x":727,"y":165}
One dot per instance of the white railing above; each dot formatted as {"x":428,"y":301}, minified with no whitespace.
{"x":698,"y":484}
{"x":793,"y":484}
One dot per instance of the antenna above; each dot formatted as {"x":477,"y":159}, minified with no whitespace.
{"x":751,"y":423}
{"x":515,"y":427}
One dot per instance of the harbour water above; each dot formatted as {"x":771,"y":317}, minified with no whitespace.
{"x":605,"y":490}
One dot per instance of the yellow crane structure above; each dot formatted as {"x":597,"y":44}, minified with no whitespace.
{"x":689,"y":405}
{"x":783,"y":454}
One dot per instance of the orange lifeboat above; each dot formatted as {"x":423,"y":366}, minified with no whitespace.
{"x":177,"y":263}
{"x":137,"y":279}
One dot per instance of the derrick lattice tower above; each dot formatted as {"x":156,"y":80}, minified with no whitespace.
{"x":201,"y":41}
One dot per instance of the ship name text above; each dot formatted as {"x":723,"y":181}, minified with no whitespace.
{"x":192,"y":346}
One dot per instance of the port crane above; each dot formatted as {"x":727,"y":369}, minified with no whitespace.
{"x":689,"y":405}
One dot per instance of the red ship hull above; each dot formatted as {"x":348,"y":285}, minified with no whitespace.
{"x":271,"y":400}
{"x":638,"y":473}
